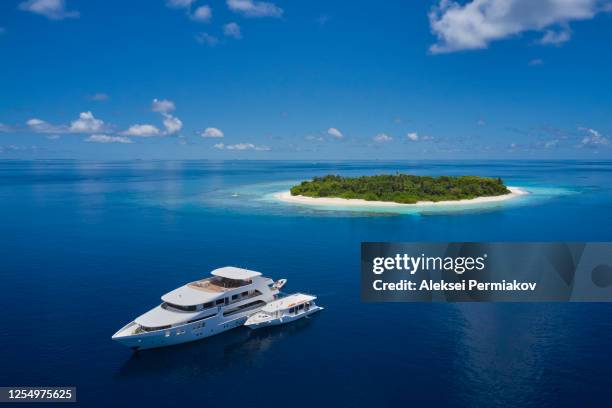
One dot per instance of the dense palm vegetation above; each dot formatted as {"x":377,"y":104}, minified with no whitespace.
{"x":402,"y":188}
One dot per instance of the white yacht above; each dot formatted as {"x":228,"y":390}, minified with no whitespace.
{"x":201,"y":309}
{"x":284,"y":310}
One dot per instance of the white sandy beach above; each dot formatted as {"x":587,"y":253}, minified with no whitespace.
{"x":327,"y":201}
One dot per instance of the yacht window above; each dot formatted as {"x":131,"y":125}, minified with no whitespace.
{"x":292,"y":310}
{"x":245,"y":293}
{"x":207,"y":305}
{"x":300,"y":307}
{"x":201,"y":318}
{"x":234,"y":297}
{"x":150,"y":329}
{"x":250,"y":305}
{"x":220,"y":301}
{"x":167,"y":305}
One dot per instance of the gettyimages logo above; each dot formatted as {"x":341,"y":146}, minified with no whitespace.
{"x":412,"y":264}
{"x":486,"y":271}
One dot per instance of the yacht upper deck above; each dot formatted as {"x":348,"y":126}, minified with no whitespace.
{"x":224,"y":279}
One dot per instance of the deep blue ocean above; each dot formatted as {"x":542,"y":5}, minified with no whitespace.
{"x":88,"y":246}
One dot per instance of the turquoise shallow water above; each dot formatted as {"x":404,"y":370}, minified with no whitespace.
{"x":87,"y":246}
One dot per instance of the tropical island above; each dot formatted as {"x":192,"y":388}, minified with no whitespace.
{"x":399,"y":189}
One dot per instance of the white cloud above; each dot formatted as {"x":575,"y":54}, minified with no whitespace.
{"x":251,"y":8}
{"x":172,"y":124}
{"x":556,"y":37}
{"x":142,"y":131}
{"x":202,"y":14}
{"x":382,"y":137}
{"x":40,"y":126}
{"x":232,"y":30}
{"x":52,"y":9}
{"x":594,"y":138}
{"x":335,"y":133}
{"x":212,"y":132}
{"x":242,"y":146}
{"x":162,"y":105}
{"x":86,"y":123}
{"x":549,"y":144}
{"x":108,"y":139}
{"x":413,"y":136}
{"x":53,"y":137}
{"x":179,"y":3}
{"x":207,"y":39}
{"x":477,"y":23}
{"x":4,"y":128}
{"x":99,"y":97}
{"x":535,"y":62}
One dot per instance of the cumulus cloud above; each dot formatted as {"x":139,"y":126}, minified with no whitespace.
{"x":251,"y":8}
{"x":475,"y":24}
{"x":333,"y":132}
{"x":142,"y":131}
{"x":86,"y":123}
{"x":202,"y":14}
{"x":172,"y":124}
{"x":108,"y":139}
{"x":52,"y":9}
{"x":212,"y":132}
{"x":415,"y":137}
{"x":556,"y":37}
{"x":165,"y":106}
{"x":179,"y":3}
{"x":241,"y":146}
{"x":593,"y":138}
{"x":232,"y":30}
{"x":382,"y":137}
{"x":40,"y":126}
{"x":207,"y":39}
{"x":162,"y":106}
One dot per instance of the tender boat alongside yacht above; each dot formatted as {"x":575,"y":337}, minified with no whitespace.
{"x":201,"y":309}
{"x":284,"y":310}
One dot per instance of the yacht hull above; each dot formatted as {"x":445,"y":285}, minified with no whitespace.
{"x":182,"y":334}
{"x":277,"y":321}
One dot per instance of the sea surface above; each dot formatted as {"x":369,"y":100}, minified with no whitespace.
{"x":87,"y":246}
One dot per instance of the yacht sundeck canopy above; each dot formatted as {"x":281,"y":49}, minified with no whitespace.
{"x":231,"y":272}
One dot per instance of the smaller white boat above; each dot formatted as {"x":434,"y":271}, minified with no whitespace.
{"x":284,"y":310}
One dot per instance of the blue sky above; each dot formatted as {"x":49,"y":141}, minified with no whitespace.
{"x":245,"y":79}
